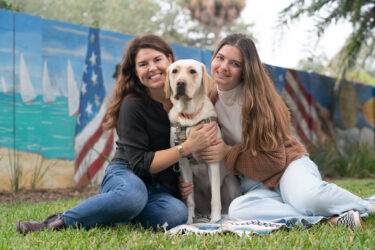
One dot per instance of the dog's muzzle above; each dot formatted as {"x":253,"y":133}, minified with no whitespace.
{"x":180,"y":88}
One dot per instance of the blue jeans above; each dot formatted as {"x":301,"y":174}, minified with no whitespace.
{"x":124,"y":198}
{"x":302,"y":198}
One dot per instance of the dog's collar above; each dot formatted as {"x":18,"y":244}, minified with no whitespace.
{"x":191,"y":116}
{"x":207,"y":120}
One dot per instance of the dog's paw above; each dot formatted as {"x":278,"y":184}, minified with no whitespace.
{"x":215,"y":217}
{"x":190,"y":220}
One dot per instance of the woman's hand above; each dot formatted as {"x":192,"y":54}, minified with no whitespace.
{"x":199,"y":137}
{"x":186,"y":188}
{"x":214,"y":153}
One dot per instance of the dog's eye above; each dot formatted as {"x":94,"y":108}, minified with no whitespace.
{"x":174,"y":71}
{"x":193,"y":71}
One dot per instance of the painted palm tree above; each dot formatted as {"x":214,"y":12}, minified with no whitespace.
{"x":215,"y":14}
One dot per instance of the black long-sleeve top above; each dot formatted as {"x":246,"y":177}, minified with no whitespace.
{"x":143,"y":127}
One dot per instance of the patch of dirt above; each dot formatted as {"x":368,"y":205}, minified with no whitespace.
{"x":47,"y":195}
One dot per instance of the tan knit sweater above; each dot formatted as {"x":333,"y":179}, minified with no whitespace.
{"x":267,"y":167}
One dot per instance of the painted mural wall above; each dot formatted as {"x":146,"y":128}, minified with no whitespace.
{"x":55,"y":80}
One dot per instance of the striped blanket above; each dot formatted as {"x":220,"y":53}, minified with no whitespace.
{"x":244,"y":227}
{"x":223,"y":226}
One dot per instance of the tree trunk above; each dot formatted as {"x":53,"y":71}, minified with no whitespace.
{"x":217,"y":31}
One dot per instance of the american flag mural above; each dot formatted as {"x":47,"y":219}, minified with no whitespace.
{"x":93,"y":145}
{"x":302,"y":105}
{"x":307,"y":96}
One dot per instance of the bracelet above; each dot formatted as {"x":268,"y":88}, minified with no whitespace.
{"x":180,"y":150}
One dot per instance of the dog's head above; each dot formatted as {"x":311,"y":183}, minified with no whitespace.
{"x":186,"y":78}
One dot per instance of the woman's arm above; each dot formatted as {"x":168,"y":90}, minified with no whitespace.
{"x":134,"y":137}
{"x":199,"y":137}
{"x":214,"y":153}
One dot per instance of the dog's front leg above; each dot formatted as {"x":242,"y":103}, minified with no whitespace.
{"x":214,"y":172}
{"x":187,"y":176}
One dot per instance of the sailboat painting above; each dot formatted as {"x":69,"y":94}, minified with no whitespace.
{"x":73,"y":92}
{"x":27,"y":90}
{"x":48,"y":94}
{"x":4,"y":85}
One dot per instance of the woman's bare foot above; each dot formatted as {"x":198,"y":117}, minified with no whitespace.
{"x":333,"y":220}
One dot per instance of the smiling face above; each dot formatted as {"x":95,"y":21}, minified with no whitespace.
{"x":226,"y":67}
{"x":151,"y":68}
{"x":185,"y":78}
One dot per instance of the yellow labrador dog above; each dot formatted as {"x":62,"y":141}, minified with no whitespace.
{"x":187,"y":86}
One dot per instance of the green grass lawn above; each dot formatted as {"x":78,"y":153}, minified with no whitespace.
{"x":318,"y":236}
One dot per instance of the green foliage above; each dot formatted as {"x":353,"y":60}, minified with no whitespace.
{"x":6,"y":4}
{"x":320,"y":236}
{"x":40,"y":170}
{"x":312,"y":63}
{"x":214,"y":14}
{"x":360,"y":13}
{"x":15,"y":170}
{"x":353,"y":161}
{"x":324,"y":158}
{"x":116,"y":15}
{"x":361,"y":76}
{"x":164,"y":17}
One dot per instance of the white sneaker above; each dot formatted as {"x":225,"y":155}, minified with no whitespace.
{"x":351,"y":219}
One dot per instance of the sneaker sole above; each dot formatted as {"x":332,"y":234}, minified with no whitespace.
{"x":358,"y":220}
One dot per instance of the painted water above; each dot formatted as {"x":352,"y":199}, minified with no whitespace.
{"x":40,"y":127}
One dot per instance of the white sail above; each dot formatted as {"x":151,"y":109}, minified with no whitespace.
{"x":4,"y":86}
{"x":27,"y":90}
{"x":73,"y":92}
{"x":48,"y":95}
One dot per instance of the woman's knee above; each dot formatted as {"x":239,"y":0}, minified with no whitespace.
{"x":134,"y":198}
{"x":166,"y":212}
{"x":128,"y":200}
{"x":178,"y":215}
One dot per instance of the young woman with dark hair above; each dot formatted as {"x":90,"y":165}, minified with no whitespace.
{"x":140,"y":183}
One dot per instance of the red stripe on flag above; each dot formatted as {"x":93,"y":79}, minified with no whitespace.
{"x":309,"y":120}
{"x":302,"y":135}
{"x":307,"y":96}
{"x":98,"y":163}
{"x":88,"y":145}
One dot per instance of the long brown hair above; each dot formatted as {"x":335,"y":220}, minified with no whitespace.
{"x":128,"y":84}
{"x":265,"y":116}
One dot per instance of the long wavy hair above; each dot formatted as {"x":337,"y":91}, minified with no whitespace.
{"x":128,"y":83}
{"x":265,"y":116}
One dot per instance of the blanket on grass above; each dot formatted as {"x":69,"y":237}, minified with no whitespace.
{"x":202,"y":225}
{"x":243,"y":227}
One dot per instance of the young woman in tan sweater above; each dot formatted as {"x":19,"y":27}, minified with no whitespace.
{"x":279,"y":181}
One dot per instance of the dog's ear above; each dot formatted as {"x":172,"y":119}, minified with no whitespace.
{"x":207,"y":81}
{"x":167,"y":87}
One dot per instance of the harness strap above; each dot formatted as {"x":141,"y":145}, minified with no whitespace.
{"x":181,"y":136}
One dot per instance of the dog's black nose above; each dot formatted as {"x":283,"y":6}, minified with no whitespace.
{"x":181,"y":83}
{"x":181,"y":87}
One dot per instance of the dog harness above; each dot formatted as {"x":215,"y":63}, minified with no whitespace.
{"x":181,"y":136}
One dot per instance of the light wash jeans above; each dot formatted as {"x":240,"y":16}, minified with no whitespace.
{"x":302,"y":198}
{"x":124,"y":198}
